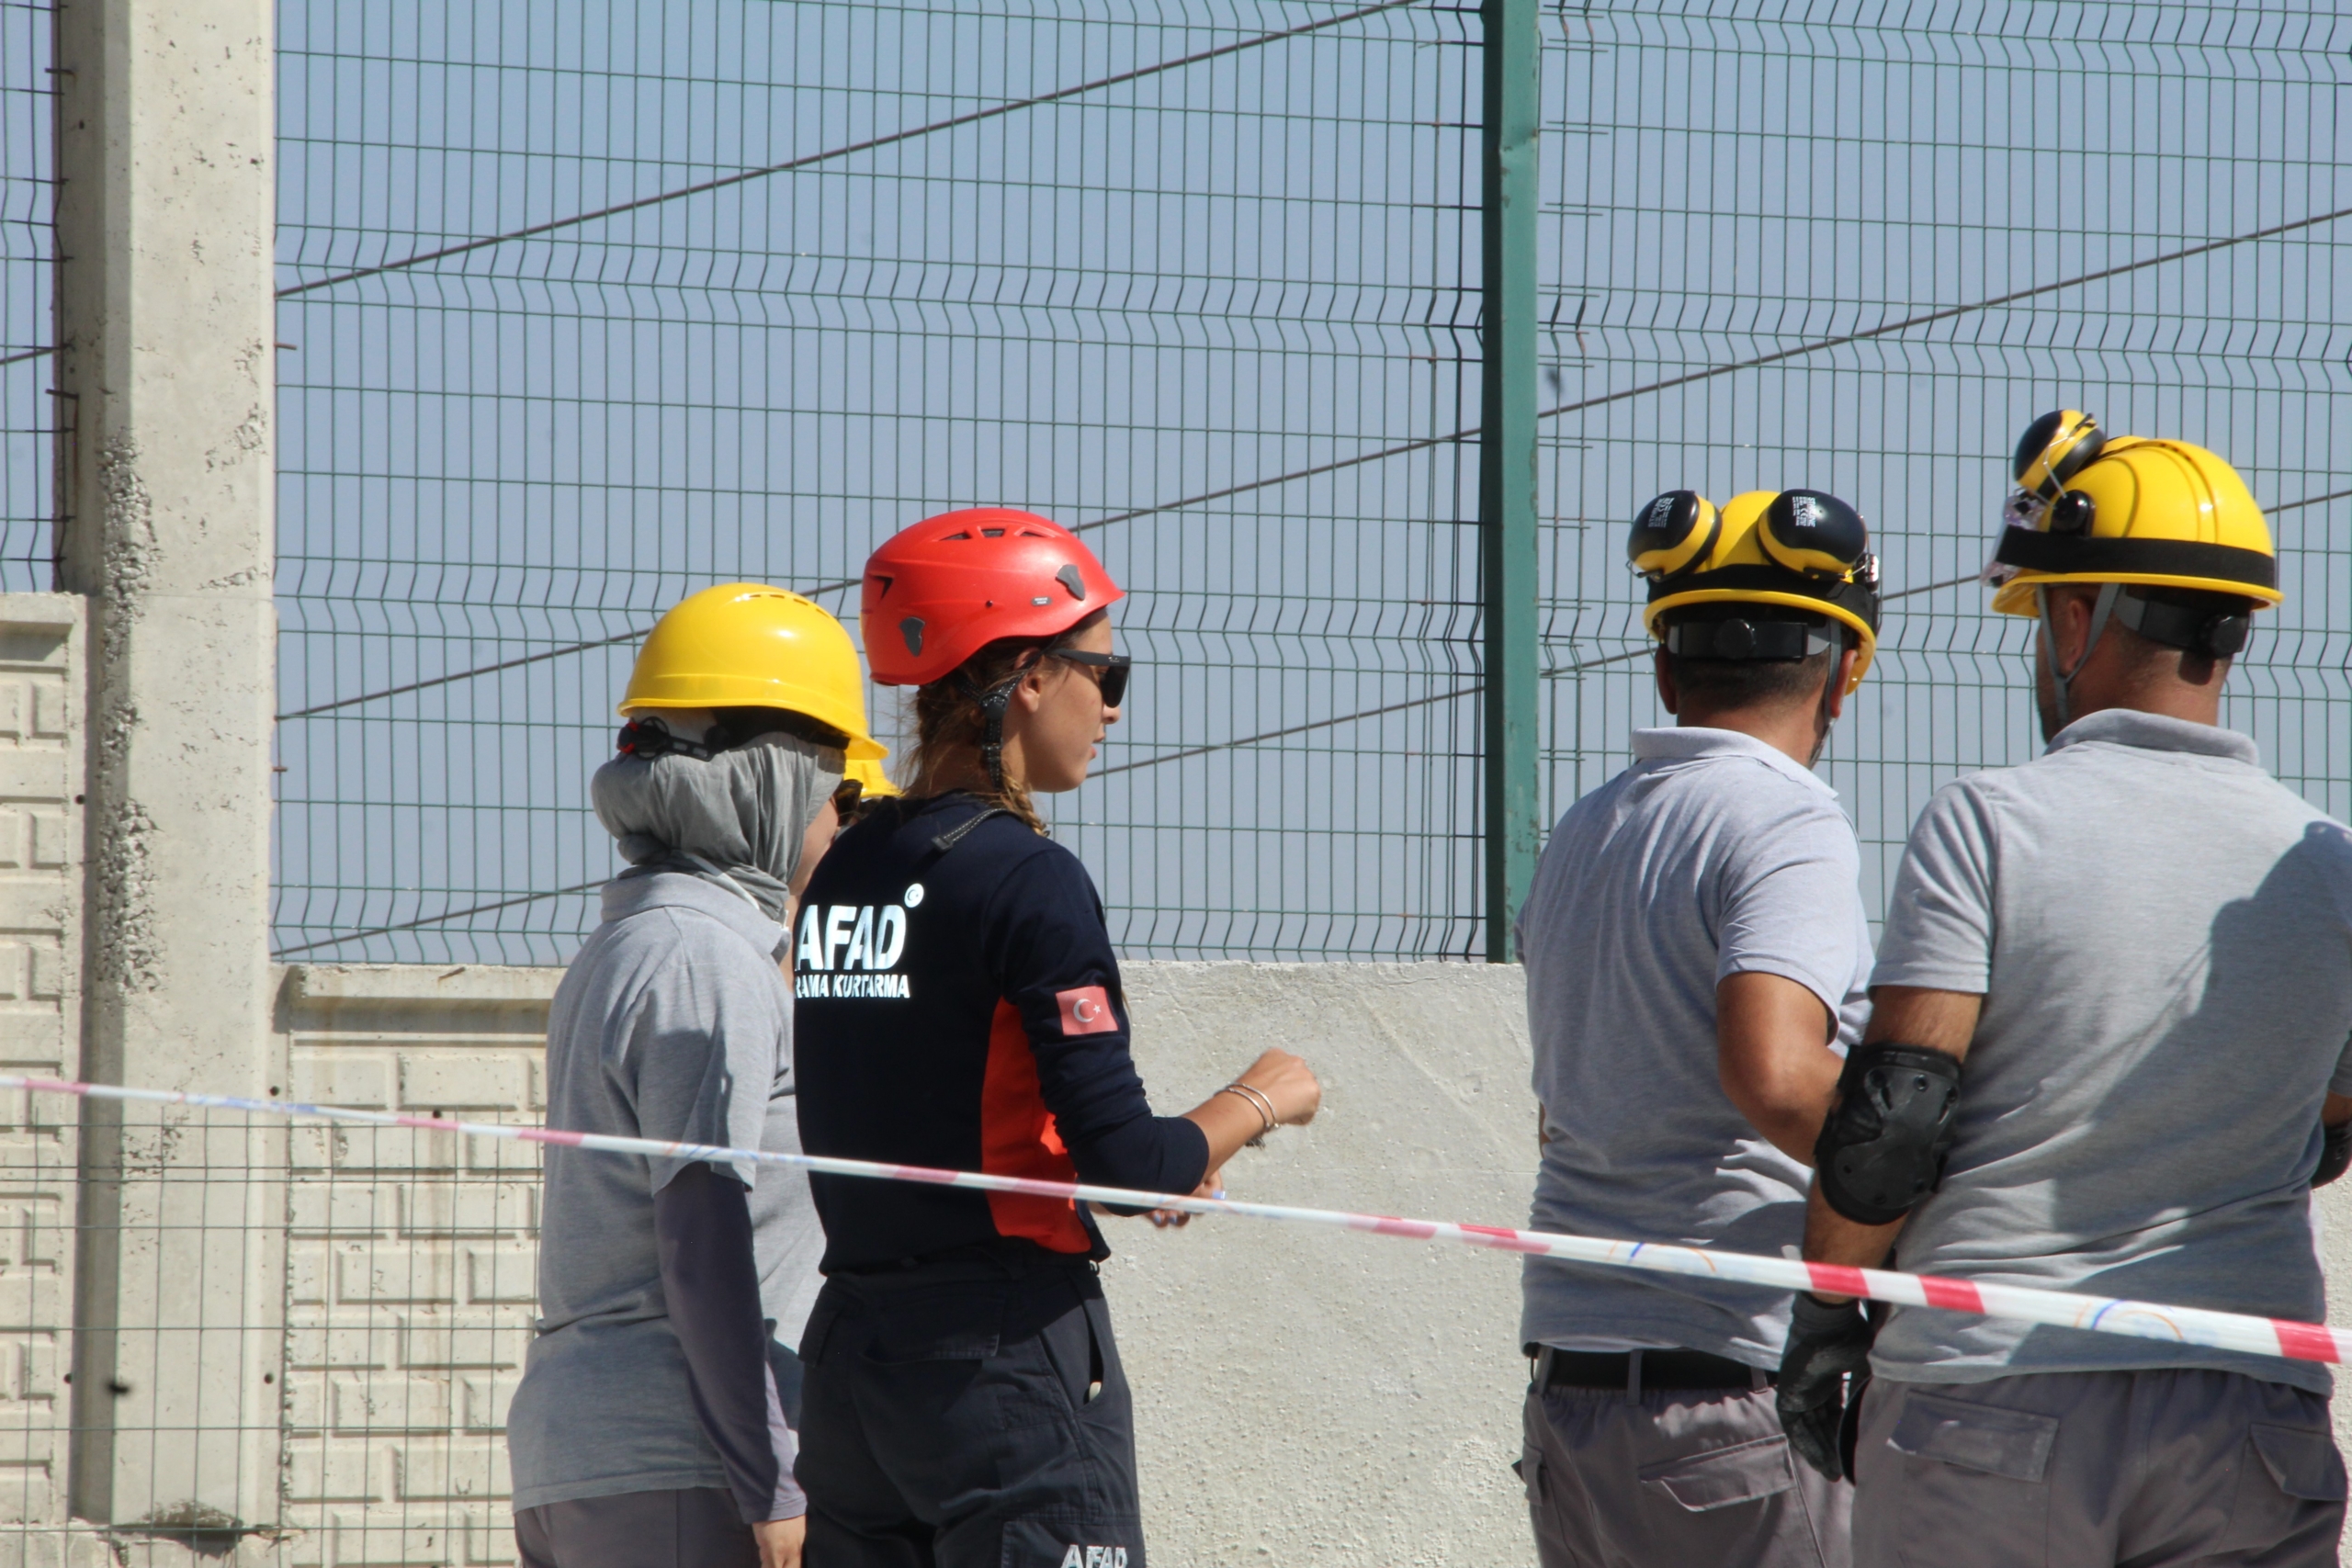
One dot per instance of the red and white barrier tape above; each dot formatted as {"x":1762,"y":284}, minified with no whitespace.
{"x":2139,"y":1320}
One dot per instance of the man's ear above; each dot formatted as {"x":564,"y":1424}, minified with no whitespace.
{"x":2070,"y":619}
{"x":1666,"y":694}
{"x":1841,"y":673}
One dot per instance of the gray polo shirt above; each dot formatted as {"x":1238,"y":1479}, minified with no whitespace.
{"x":1714,"y":854}
{"x":673,"y":1022}
{"x":2162,"y":937}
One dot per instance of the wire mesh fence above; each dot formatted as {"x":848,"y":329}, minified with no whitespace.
{"x":1163,"y":273}
{"x":257,"y":1343}
{"x":587,"y":307}
{"x":1859,"y":250}
{"x":27,"y":275}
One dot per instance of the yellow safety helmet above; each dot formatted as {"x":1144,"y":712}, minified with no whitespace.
{"x":2138,"y":513}
{"x":872,"y":783}
{"x":1800,"y":549}
{"x":747,"y":645}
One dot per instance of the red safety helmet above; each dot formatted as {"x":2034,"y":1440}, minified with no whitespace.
{"x":938,"y":592}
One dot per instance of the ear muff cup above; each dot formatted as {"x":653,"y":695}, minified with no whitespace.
{"x":2072,"y":516}
{"x":2054,"y":449}
{"x":1813,"y":533}
{"x":1673,"y":533}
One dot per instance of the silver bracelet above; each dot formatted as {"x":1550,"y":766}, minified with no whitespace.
{"x":1255,"y":1097}
{"x":1264,"y":1102}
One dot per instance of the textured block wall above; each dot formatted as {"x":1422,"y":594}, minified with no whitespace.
{"x":411,"y":1277}
{"x":40,"y":882}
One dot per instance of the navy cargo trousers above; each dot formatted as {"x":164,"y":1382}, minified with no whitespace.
{"x":969,"y":1411}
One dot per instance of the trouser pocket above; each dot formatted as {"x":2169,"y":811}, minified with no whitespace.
{"x":2289,"y":1478}
{"x":1969,"y":1484}
{"x":1066,"y":1412}
{"x":1744,"y":1473}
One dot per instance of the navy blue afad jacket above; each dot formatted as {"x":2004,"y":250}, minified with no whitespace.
{"x":957,"y":1004}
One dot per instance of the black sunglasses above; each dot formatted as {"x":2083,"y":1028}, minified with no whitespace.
{"x":1114,"y":666}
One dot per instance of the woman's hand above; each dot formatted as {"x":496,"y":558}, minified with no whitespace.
{"x":1278,"y":1083}
{"x":1285,"y":1080}
{"x":1212,"y":1186}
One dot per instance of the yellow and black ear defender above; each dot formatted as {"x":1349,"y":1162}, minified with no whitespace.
{"x":1813,"y":532}
{"x":1673,"y":533}
{"x":2054,"y":449}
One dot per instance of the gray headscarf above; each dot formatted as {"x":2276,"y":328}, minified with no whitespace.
{"x":736,"y":819}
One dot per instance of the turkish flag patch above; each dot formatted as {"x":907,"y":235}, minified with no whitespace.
{"x":1087,"y":1010}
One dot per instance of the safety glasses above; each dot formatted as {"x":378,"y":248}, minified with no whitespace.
{"x":1110,"y":670}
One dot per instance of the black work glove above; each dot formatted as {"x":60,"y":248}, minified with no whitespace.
{"x":2335,"y":1153}
{"x":1826,"y":1345}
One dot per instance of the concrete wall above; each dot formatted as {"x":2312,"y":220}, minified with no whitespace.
{"x":1327,"y":1397}
{"x":1303,"y":1396}
{"x":411,"y":1269}
{"x":1294,"y":1386}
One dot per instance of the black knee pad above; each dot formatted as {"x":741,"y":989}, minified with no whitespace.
{"x":1881,"y":1148}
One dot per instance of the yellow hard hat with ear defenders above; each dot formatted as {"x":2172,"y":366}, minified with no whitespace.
{"x":748,"y":645}
{"x":2139,"y":513}
{"x":873,"y":784}
{"x":863,"y":787}
{"x":1798,"y":549}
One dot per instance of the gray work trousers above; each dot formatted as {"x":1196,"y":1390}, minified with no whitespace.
{"x":2088,"y":1470}
{"x":698,"y":1527}
{"x":1675,"y":1478}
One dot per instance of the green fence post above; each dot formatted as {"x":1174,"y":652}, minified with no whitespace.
{"x":1507,"y":569}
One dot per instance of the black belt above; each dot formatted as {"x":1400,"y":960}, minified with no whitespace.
{"x":1016,"y":1254}
{"x":1633,"y":1370}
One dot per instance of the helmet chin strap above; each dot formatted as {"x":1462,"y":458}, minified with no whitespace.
{"x":993,"y":701}
{"x":1829,"y":695}
{"x":2061,"y":682}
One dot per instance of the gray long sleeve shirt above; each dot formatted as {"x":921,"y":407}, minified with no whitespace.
{"x":673,"y":1022}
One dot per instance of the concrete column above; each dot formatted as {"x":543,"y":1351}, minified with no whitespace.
{"x":165,"y":220}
